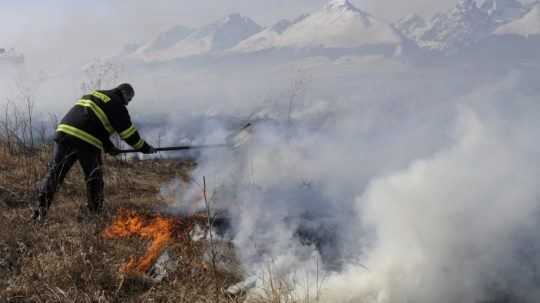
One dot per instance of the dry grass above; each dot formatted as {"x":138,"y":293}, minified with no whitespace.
{"x":67,"y":260}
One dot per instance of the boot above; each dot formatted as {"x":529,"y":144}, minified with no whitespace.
{"x":39,"y":215}
{"x":89,"y":215}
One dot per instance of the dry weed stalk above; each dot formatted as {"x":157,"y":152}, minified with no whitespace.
{"x":18,"y":139}
{"x":290,"y":288}
{"x":212,"y":246}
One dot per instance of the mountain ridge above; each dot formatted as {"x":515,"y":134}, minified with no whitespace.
{"x":339,"y":27}
{"x":338,"y":24}
{"x":214,"y":37}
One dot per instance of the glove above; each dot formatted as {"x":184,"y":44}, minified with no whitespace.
{"x":113,"y":151}
{"x":148,"y":149}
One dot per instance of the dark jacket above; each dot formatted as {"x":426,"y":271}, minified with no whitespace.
{"x":96,"y":117}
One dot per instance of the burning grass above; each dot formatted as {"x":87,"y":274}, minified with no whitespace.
{"x":160,"y":231}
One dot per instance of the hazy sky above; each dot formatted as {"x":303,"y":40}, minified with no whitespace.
{"x":27,"y":23}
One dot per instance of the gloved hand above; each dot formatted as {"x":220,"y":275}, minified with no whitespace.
{"x":113,"y":151}
{"x":148,"y":149}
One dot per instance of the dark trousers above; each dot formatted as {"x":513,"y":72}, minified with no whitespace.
{"x":66,"y":152}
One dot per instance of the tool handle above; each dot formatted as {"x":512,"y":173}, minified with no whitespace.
{"x":177,"y":148}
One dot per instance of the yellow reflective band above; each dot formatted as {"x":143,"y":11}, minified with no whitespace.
{"x":139,"y":144}
{"x":86,"y":137}
{"x":101,"y":96}
{"x":128,"y":132}
{"x":99,"y":113}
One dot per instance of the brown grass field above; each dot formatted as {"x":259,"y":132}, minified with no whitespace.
{"x":67,"y":259}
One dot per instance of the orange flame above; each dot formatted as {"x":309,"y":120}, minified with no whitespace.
{"x":128,"y":224}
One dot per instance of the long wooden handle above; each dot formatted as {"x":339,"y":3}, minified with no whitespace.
{"x":177,"y":148}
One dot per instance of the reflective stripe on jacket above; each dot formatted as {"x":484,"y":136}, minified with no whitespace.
{"x":96,"y":116}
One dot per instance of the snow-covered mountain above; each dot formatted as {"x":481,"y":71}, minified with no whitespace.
{"x":503,"y":11}
{"x":267,"y":38}
{"x":467,"y":24}
{"x":165,"y":40}
{"x":526,"y":26}
{"x":340,"y":28}
{"x":339,"y":25}
{"x":511,"y":42}
{"x":180,"y":42}
{"x":460,"y":27}
{"x":411,"y":26}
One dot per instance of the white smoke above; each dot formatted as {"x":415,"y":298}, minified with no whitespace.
{"x":434,"y":203}
{"x":448,"y":227}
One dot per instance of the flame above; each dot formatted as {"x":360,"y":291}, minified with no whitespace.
{"x":158,"y":230}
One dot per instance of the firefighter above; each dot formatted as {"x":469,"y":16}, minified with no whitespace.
{"x":81,"y":136}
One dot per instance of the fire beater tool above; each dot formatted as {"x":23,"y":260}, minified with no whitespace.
{"x":232,"y":141}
